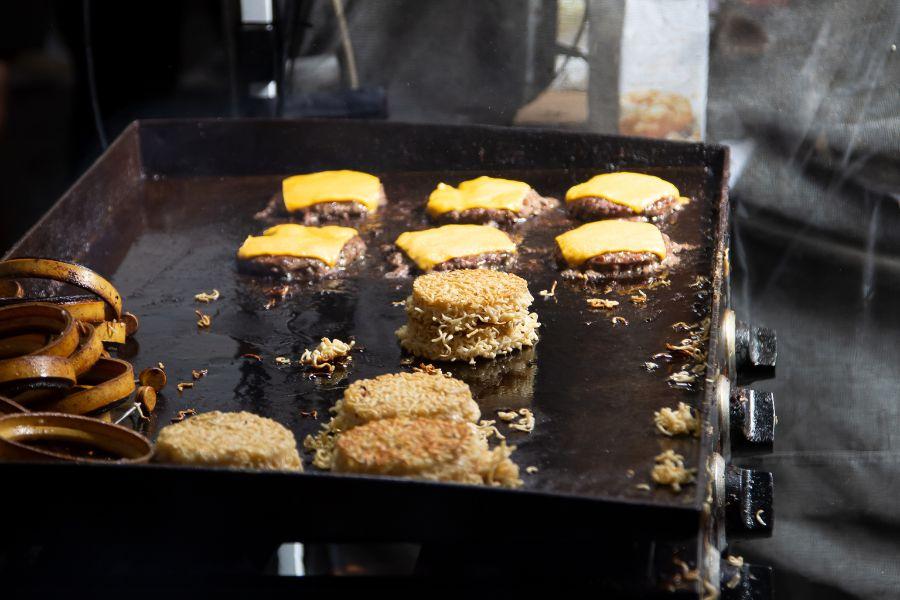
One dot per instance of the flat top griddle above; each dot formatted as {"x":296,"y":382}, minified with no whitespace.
{"x":171,"y":232}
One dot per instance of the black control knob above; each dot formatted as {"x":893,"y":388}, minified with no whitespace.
{"x":752,"y":418}
{"x":755,"y":351}
{"x":748,"y":502}
{"x":743,"y":581}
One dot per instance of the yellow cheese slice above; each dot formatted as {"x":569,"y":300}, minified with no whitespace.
{"x":434,"y":246}
{"x":634,"y":190}
{"x":483,"y":192}
{"x":302,"y":191}
{"x":604,"y":237}
{"x":322,"y":243}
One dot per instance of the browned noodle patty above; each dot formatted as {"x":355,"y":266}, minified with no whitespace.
{"x":301,"y":267}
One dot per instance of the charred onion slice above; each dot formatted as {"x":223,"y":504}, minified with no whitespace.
{"x":11,"y":289}
{"x":89,"y":350}
{"x":24,"y":329}
{"x":107,"y":382}
{"x":45,"y":268}
{"x":8,"y":407}
{"x":18,"y":434}
{"x":22,"y":375}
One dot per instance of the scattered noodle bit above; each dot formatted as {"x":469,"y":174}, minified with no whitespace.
{"x":682,"y":326}
{"x":643,"y":486}
{"x":161,"y":366}
{"x":206,"y":298}
{"x":619,"y":321}
{"x":629,"y":473}
{"x":204,"y":320}
{"x":282,"y":360}
{"x":759,"y":518}
{"x":198,"y":373}
{"x":399,"y":303}
{"x":526,"y":423}
{"x":687,"y":574}
{"x":322,"y":444}
{"x":489,"y":428}
{"x":327,"y":353}
{"x":248,"y":355}
{"x":507,"y":416}
{"x":735,"y":561}
{"x":602,"y":303}
{"x":531,"y":470}
{"x":182,"y":414}
{"x":184,"y":385}
{"x":682,"y":377}
{"x":549,"y":294}
{"x":314,"y":414}
{"x":680,"y":421}
{"x":699,"y":282}
{"x":670,"y":470}
{"x":639,"y":298}
{"x":651,"y":366}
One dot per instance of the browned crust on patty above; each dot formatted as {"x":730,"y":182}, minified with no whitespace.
{"x":619,"y":265}
{"x":400,"y":266}
{"x":332,"y":213}
{"x":293,"y":267}
{"x":533,"y":205}
{"x":593,"y":208}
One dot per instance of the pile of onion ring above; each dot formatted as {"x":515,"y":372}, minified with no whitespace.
{"x":53,"y":355}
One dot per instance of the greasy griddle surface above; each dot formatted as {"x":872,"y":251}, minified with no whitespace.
{"x":592,"y":399}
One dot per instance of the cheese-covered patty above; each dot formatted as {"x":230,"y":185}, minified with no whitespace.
{"x":606,"y":237}
{"x":303,"y":191}
{"x":299,"y":241}
{"x":635,"y":191}
{"x":432,"y":247}
{"x":483,"y":192}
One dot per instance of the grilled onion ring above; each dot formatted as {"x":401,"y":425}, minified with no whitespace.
{"x":110,"y":380}
{"x":20,"y":323}
{"x":88,"y":351}
{"x":26,"y":373}
{"x":45,"y":268}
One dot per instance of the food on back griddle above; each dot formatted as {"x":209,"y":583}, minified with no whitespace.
{"x":467,"y":314}
{"x":332,"y":196}
{"x":421,"y":394}
{"x":292,"y":250}
{"x":622,"y":195}
{"x":453,"y":247}
{"x":486,"y":201}
{"x":614,"y":249}
{"x":434,"y":449}
{"x":223,"y":439}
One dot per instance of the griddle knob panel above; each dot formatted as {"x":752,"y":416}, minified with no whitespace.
{"x":755,"y":352}
{"x":748,"y":502}
{"x":745,"y":581}
{"x":752,"y":418}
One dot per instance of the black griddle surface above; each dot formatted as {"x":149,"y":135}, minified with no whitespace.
{"x":592,"y":399}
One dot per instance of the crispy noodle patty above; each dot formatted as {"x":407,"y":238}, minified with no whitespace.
{"x":229,"y":439}
{"x":432,"y":449}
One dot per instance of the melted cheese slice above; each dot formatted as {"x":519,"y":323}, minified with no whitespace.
{"x":604,"y":237}
{"x":302,"y":191}
{"x":433,"y":246}
{"x":634,"y":190}
{"x":483,"y":192}
{"x":322,"y":243}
